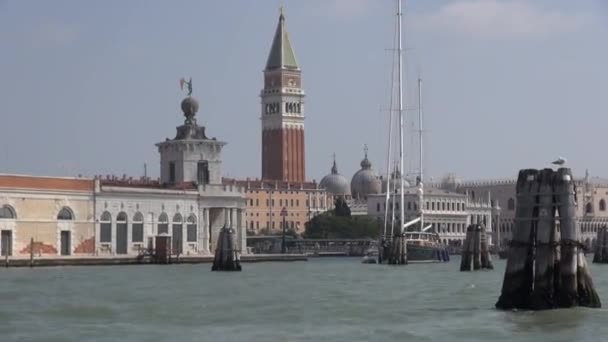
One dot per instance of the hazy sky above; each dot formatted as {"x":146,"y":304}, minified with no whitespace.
{"x":89,"y":86}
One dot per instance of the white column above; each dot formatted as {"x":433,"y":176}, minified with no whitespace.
{"x":203,"y":230}
{"x":242,"y":231}
{"x":226,"y":217}
{"x":233,"y":219}
{"x":114,"y":235}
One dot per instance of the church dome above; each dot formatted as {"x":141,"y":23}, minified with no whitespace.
{"x":365,"y":181}
{"x":396,"y":180}
{"x":450,"y":182}
{"x":335,"y":183}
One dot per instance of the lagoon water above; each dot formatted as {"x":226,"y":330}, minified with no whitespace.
{"x":325,"y":299}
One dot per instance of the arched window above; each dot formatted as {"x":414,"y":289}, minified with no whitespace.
{"x":191,"y":228}
{"x":137,"y":234}
{"x":163,"y":224}
{"x":602,"y":205}
{"x":122,"y":234}
{"x":65,"y":214}
{"x":588,"y":208}
{"x":7,"y":212}
{"x":511,"y":204}
{"x":122,"y":217}
{"x":105,"y":227}
{"x":177,"y":218}
{"x":177,"y":234}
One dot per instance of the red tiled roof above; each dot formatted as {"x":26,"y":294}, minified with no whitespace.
{"x":47,"y":183}
{"x":148,"y":184}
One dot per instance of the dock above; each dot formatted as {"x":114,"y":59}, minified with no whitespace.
{"x":134,"y":260}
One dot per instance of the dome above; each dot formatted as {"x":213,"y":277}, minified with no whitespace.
{"x":395,"y":181}
{"x":450,"y":182}
{"x":365,"y":181}
{"x":335,"y":183}
{"x":189,"y":106}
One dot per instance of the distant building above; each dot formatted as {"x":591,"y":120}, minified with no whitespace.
{"x":591,"y":211}
{"x":267,"y":199}
{"x":111,"y":216}
{"x":448,"y":213}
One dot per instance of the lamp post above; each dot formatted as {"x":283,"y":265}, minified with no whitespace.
{"x":284,"y":214}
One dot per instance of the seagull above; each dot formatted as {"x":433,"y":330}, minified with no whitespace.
{"x":560,"y":161}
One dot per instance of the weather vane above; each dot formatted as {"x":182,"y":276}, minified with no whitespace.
{"x":183,"y":81}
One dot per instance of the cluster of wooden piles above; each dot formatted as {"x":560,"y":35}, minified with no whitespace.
{"x":227,"y":254}
{"x":546,"y":267}
{"x":475,"y":249}
{"x":600,"y":254}
{"x":393,"y":252}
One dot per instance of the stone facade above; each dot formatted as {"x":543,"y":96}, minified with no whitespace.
{"x":57,"y":213}
{"x":591,"y":211}
{"x":265,"y":199}
{"x":448,"y":213}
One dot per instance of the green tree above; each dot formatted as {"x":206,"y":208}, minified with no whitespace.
{"x":331,"y":226}
{"x":341,"y":207}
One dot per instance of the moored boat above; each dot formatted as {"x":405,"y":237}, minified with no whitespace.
{"x":425,"y":247}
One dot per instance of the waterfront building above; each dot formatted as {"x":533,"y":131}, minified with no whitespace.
{"x":591,"y":211}
{"x":111,"y":216}
{"x":448,"y":213}
{"x":267,"y":199}
{"x":58,"y":214}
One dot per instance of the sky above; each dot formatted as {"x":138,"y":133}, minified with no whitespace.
{"x":88,"y":87}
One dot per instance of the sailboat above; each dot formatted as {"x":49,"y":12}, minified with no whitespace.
{"x":403,"y":245}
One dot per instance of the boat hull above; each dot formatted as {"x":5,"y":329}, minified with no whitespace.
{"x":426,"y":253}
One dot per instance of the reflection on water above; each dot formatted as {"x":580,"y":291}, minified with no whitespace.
{"x":334,"y":299}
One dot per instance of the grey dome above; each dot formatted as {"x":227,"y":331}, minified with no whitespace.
{"x":450,"y":182}
{"x":189,"y":106}
{"x":335,"y":183}
{"x":396,"y":180}
{"x":365,"y":181}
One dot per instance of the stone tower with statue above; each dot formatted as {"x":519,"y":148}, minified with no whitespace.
{"x":190,"y":157}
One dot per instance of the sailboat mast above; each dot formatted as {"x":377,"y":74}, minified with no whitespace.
{"x":420,"y":181}
{"x":400,"y":66}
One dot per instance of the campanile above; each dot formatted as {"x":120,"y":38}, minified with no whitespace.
{"x":282,"y":112}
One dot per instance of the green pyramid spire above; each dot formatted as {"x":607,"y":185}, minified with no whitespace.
{"x":281,"y":53}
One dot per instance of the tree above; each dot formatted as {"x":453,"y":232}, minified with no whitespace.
{"x":341,"y":207}
{"x":331,"y":226}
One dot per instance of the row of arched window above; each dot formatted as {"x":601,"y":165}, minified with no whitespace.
{"x":9,"y":213}
{"x":137,"y":225}
{"x":589,"y":207}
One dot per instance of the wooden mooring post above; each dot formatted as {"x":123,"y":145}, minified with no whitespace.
{"x":475,"y":249}
{"x":227,"y":255}
{"x":31,"y":252}
{"x":600,"y":252}
{"x":398,"y":250}
{"x":546,"y":267}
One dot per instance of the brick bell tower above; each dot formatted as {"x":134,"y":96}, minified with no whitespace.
{"x":282,"y":112}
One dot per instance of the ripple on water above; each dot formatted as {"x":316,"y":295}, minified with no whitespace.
{"x":336,"y":299}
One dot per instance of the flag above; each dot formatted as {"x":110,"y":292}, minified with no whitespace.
{"x":182,"y":81}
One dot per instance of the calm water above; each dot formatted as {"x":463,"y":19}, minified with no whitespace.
{"x":337,"y":299}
